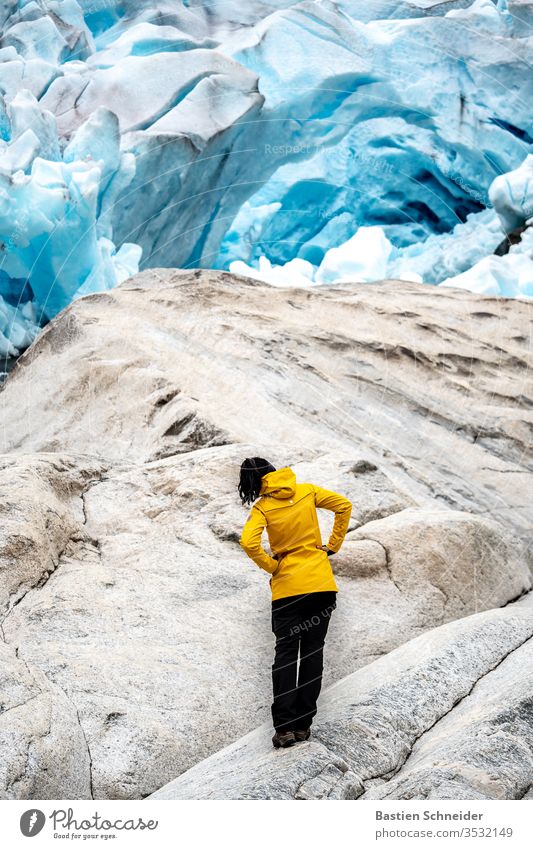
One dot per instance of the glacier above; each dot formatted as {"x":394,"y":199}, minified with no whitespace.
{"x":301,"y":143}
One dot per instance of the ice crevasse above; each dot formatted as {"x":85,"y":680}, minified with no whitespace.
{"x":302,"y":143}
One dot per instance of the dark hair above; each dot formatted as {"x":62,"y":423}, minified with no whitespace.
{"x":252,"y":470}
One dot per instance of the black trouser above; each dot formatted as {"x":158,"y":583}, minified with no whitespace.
{"x":300,"y":623}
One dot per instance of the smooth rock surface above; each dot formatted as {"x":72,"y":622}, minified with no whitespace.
{"x":152,"y":608}
{"x":383,"y":725}
{"x":482,"y":749}
{"x":448,"y":561}
{"x":43,"y":750}
{"x":125,"y":425}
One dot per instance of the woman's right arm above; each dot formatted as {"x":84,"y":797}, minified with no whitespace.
{"x":251,"y":541}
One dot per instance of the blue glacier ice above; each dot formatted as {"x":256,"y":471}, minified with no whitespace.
{"x":298,"y":142}
{"x":511,"y":275}
{"x":511,"y":195}
{"x":55,"y":223}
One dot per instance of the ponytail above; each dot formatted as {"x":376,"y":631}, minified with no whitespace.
{"x":252,"y":471}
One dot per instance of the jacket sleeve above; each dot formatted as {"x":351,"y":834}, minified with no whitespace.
{"x":342,"y":509}
{"x":251,"y":541}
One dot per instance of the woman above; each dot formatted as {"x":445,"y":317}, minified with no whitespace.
{"x":302,"y":583}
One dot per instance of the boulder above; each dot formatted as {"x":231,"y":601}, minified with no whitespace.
{"x":448,"y":561}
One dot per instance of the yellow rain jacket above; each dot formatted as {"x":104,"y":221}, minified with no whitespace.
{"x":288,"y":511}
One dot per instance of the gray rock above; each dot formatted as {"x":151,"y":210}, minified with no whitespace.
{"x":429,"y":385}
{"x":361,"y":559}
{"x":43,"y":750}
{"x":121,"y":576}
{"x":482,"y":749}
{"x":431,"y":704}
{"x":149,"y":560}
{"x":450,"y":561}
{"x":42,"y":508}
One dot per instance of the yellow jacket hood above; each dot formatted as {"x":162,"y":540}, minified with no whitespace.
{"x":279,"y":484}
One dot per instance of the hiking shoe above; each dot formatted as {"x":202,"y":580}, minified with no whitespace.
{"x":300,"y":736}
{"x":282,"y":739}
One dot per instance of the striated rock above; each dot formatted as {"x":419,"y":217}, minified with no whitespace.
{"x":431,"y":386}
{"x":121,"y":576}
{"x":387,"y":725}
{"x":42,"y":509}
{"x":482,"y":749}
{"x":43,"y":751}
